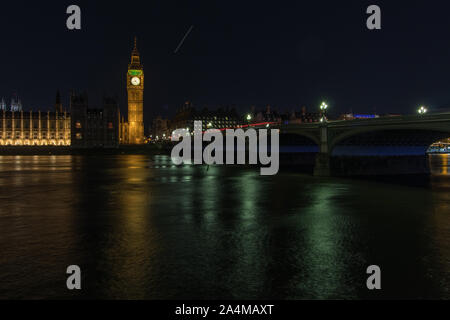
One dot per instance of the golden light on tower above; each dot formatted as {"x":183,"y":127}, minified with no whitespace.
{"x":135,"y":90}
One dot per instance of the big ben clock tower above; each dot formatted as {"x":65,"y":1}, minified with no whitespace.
{"x":135,"y":90}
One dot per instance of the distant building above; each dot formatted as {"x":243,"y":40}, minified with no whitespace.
{"x":267,"y":115}
{"x":124,"y":137}
{"x":160,"y":128}
{"x":15,"y":106}
{"x":222,"y":118}
{"x":94,"y":127}
{"x":58,"y":104}
{"x":303,"y":116}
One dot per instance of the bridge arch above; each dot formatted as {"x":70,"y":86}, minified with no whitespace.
{"x":298,"y":143}
{"x":296,"y":132}
{"x":299,"y":137}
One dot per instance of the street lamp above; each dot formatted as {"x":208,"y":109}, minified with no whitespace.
{"x":323,"y":110}
{"x":249,"y":117}
{"x":422,"y":110}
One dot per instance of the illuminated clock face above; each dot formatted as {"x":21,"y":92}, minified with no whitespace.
{"x":135,"y":81}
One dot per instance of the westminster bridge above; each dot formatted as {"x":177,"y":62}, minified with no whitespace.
{"x":418,"y":131}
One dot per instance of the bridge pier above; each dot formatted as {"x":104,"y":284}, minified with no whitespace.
{"x":322,"y":165}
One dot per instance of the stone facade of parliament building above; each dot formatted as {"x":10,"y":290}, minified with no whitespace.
{"x":34,"y":128}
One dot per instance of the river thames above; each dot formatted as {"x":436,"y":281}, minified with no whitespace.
{"x":142,"y":228}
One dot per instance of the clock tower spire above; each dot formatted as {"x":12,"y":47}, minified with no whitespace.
{"x":135,"y":90}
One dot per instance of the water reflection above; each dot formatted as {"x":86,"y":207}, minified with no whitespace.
{"x":140,"y":227}
{"x":37,"y":231}
{"x":439,"y":163}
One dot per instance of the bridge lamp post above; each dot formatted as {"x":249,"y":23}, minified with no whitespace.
{"x":323,"y":110}
{"x":422,"y":110}
{"x":249,"y":118}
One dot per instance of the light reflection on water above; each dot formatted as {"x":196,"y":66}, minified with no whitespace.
{"x":439,"y":164}
{"x":140,"y":227}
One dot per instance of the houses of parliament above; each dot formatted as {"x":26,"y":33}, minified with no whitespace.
{"x":81,"y":126}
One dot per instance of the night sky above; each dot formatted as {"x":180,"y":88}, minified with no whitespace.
{"x":286,"y":54}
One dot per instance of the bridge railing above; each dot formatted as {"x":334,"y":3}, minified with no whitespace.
{"x":403,"y":119}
